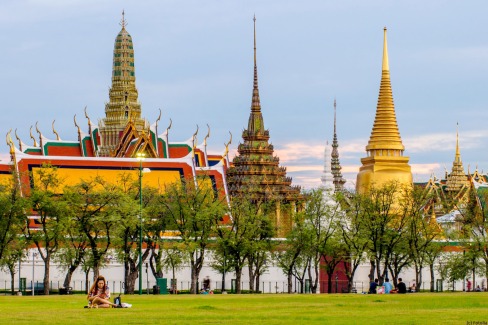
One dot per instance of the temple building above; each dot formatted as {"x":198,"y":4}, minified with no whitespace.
{"x":255,"y":171}
{"x":385,"y":161}
{"x":451,"y":195}
{"x":112,"y":147}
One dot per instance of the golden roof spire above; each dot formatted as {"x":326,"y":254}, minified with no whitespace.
{"x":123,"y":22}
{"x":457,"y":157}
{"x":386,"y":65}
{"x":385,"y":137}
{"x":457,"y":178}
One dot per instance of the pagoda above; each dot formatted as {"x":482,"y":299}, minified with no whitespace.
{"x":255,"y":171}
{"x":123,"y":111}
{"x":385,"y":161}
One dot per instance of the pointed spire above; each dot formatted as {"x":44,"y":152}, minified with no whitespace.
{"x":457,"y":178}
{"x":385,"y":137}
{"x":255,"y":124}
{"x":256,"y":104}
{"x":386,"y":65}
{"x":458,"y":153}
{"x":123,"y":22}
{"x":336,"y":165}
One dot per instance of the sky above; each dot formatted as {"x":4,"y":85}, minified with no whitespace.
{"x":194,"y":61}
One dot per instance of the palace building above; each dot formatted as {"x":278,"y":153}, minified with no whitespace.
{"x":111,"y":146}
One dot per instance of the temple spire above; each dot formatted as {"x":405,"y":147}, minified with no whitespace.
{"x":255,"y":124}
{"x":457,"y":178}
{"x":123,"y":22}
{"x":385,"y":161}
{"x":256,"y":104}
{"x":385,"y":137}
{"x":386,"y":65}
{"x":335,"y":163}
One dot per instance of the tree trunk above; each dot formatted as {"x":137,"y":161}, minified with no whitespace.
{"x":132,"y":274}
{"x":371,"y":270}
{"x":252,"y":275}
{"x":12,"y":279}
{"x":257,"y":287}
{"x":69,"y":274}
{"x":238,"y":271}
{"x":432,"y":277}
{"x":194,"y":278}
{"x":87,"y":285}
{"x":47,"y":263}
{"x":290,"y":282}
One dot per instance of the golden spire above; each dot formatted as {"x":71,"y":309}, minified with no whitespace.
{"x":123,"y":22}
{"x":385,"y":137}
{"x":457,"y":157}
{"x":457,"y":178}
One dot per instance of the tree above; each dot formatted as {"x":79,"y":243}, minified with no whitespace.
{"x":51,"y":210}
{"x":194,"y":208}
{"x":238,"y":238}
{"x":12,"y":214}
{"x":384,"y":225}
{"x":290,"y":252}
{"x":91,"y":206}
{"x":14,"y":255}
{"x":353,"y":231}
{"x":422,"y":229}
{"x":173,"y":260}
{"x":321,"y":216}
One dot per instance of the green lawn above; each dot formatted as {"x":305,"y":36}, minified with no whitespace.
{"x":419,"y":308}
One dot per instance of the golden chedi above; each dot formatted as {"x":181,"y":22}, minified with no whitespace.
{"x":385,"y":161}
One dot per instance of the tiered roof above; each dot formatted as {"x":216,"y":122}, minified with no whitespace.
{"x":255,"y":169}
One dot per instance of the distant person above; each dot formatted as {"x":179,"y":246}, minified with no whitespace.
{"x":468,"y":285}
{"x":206,"y":283}
{"x":372,"y":286}
{"x":99,"y":295}
{"x":401,"y":287}
{"x":387,"y":285}
{"x":412,"y":288}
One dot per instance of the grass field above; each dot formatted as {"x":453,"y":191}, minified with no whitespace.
{"x":419,"y":308}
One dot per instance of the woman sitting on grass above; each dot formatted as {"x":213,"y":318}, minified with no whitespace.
{"x":99,"y":295}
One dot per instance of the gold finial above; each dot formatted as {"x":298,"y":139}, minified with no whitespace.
{"x":86,"y":115}
{"x":8,"y":138}
{"x":458,"y":154}
{"x":159,"y":118}
{"x":54,"y":131}
{"x":207,"y":136}
{"x":123,"y":22}
{"x":32,"y":137}
{"x":169,"y":126}
{"x":37,"y":129}
{"x":386,"y":65}
{"x":195,"y":138}
{"x":18,"y":139}
{"x":76,"y":124}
